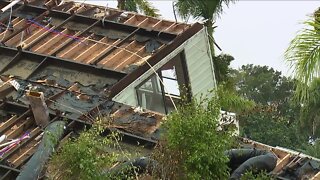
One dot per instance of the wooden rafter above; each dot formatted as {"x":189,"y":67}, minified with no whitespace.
{"x":281,"y":163}
{"x":107,"y":49}
{"x":47,"y":45}
{"x":131,"y":59}
{"x":118,"y":56}
{"x":84,"y":56}
{"x":77,"y":47}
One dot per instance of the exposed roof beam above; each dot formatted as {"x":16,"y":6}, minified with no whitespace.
{"x":43,"y":60}
{"x":158,"y":56}
{"x":23,"y":28}
{"x":98,"y":59}
{"x":38,"y":39}
{"x":109,"y":23}
{"x":69,"y":41}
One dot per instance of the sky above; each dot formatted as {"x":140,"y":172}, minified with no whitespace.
{"x":252,"y":31}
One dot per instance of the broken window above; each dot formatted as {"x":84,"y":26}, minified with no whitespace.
{"x":161,"y":90}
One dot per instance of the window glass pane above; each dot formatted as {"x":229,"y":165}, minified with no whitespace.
{"x":172,"y":86}
{"x":150,"y":96}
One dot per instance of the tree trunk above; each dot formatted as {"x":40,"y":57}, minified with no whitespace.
{"x":209,"y":25}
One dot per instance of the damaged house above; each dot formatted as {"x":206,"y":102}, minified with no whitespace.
{"x":72,"y":61}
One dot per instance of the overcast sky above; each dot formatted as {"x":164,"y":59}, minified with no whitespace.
{"x":256,"y":32}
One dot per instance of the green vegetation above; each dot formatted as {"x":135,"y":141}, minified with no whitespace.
{"x":303,"y":55}
{"x":231,"y":101}
{"x":142,"y":6}
{"x":202,"y":10}
{"x":265,"y":125}
{"x":84,"y":157}
{"x":275,"y":118}
{"x":256,"y":176}
{"x":312,"y":150}
{"x":208,"y":11}
{"x":192,"y":148}
{"x":310,"y":114}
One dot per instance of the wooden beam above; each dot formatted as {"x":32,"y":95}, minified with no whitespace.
{"x":24,"y":27}
{"x":131,"y":59}
{"x":170,"y":27}
{"x":67,"y":42}
{"x":117,"y":57}
{"x":15,"y":41}
{"x":33,"y":134}
{"x":76,"y":48}
{"x":15,"y":132}
{"x":35,"y":36}
{"x":26,"y":153}
{"x":35,"y":41}
{"x":281,"y":163}
{"x":114,"y":46}
{"x":83,"y":57}
{"x":8,"y":123}
{"x":95,"y":58}
{"x":316,"y":177}
{"x":131,"y":20}
{"x":157,"y":25}
{"x":143,"y":23}
{"x":50,"y":43}
{"x":81,"y":9}
{"x":5,"y":89}
{"x":14,"y":120}
{"x":17,"y":22}
{"x":39,"y":108}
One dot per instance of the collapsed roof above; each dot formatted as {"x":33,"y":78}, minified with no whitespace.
{"x":77,"y":57}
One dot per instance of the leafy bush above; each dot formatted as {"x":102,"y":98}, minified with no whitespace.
{"x":83,"y":157}
{"x":253,"y":176}
{"x":192,"y":148}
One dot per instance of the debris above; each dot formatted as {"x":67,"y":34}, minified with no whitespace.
{"x":39,"y":108}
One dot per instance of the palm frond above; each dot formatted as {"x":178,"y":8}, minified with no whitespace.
{"x":130,"y":5}
{"x":205,"y":9}
{"x":303,"y":54}
{"x":146,"y":7}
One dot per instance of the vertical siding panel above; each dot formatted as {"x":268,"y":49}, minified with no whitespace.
{"x":200,"y":66}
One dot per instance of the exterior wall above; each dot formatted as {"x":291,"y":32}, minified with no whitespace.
{"x":199,"y":64}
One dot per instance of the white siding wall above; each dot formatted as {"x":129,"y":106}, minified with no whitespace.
{"x":200,"y":67}
{"x":201,"y":72}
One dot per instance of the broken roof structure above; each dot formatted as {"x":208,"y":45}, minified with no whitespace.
{"x":76,"y":61}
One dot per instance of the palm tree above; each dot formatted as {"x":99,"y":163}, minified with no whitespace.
{"x":138,"y":6}
{"x":310,"y":114}
{"x":303,"y":54}
{"x":205,"y":10}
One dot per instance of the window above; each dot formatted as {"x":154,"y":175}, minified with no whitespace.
{"x":159,"y":90}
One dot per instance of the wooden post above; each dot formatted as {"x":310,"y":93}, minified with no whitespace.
{"x":39,"y":108}
{"x":5,"y":89}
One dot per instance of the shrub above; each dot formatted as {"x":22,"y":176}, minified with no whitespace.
{"x":84,"y":157}
{"x":256,"y":176}
{"x":191,"y":147}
